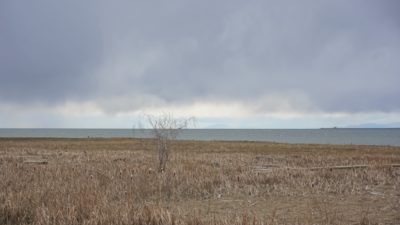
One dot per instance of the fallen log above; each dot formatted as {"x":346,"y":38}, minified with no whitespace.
{"x":269,"y":168}
{"x":339,"y":167}
{"x":36,"y":161}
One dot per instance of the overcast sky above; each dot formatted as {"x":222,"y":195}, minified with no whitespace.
{"x":260,"y":64}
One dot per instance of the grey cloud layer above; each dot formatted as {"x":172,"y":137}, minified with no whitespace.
{"x":336,"y":55}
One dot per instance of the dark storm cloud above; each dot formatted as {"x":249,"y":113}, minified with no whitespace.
{"x":336,"y":55}
{"x":46,"y":49}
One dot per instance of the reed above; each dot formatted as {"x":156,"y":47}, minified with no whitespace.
{"x":115,"y":181}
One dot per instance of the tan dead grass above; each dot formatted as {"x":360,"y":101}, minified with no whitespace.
{"x":113,"y":181}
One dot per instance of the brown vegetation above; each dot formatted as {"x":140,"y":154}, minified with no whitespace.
{"x":112,"y":181}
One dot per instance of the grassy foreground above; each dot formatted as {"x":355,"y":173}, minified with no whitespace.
{"x":113,"y":181}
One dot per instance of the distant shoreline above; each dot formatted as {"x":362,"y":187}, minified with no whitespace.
{"x":44,"y":140}
{"x":356,"y":136}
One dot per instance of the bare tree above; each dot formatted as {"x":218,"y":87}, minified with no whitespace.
{"x":165,"y":129}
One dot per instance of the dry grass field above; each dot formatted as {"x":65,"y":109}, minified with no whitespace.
{"x":114,"y":181}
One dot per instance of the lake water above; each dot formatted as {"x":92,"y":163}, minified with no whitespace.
{"x":316,"y":136}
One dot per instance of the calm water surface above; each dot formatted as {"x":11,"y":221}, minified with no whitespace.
{"x":317,"y":136}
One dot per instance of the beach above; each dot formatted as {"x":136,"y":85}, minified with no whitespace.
{"x":115,"y":181}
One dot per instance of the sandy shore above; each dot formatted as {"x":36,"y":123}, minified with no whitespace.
{"x":114,"y":181}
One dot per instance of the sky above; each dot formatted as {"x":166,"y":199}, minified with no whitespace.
{"x":230,"y":64}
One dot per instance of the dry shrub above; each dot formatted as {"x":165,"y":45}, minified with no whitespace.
{"x":166,"y":128}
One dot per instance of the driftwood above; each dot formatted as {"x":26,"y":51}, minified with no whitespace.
{"x":270,"y":167}
{"x":340,"y":167}
{"x":36,"y":161}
